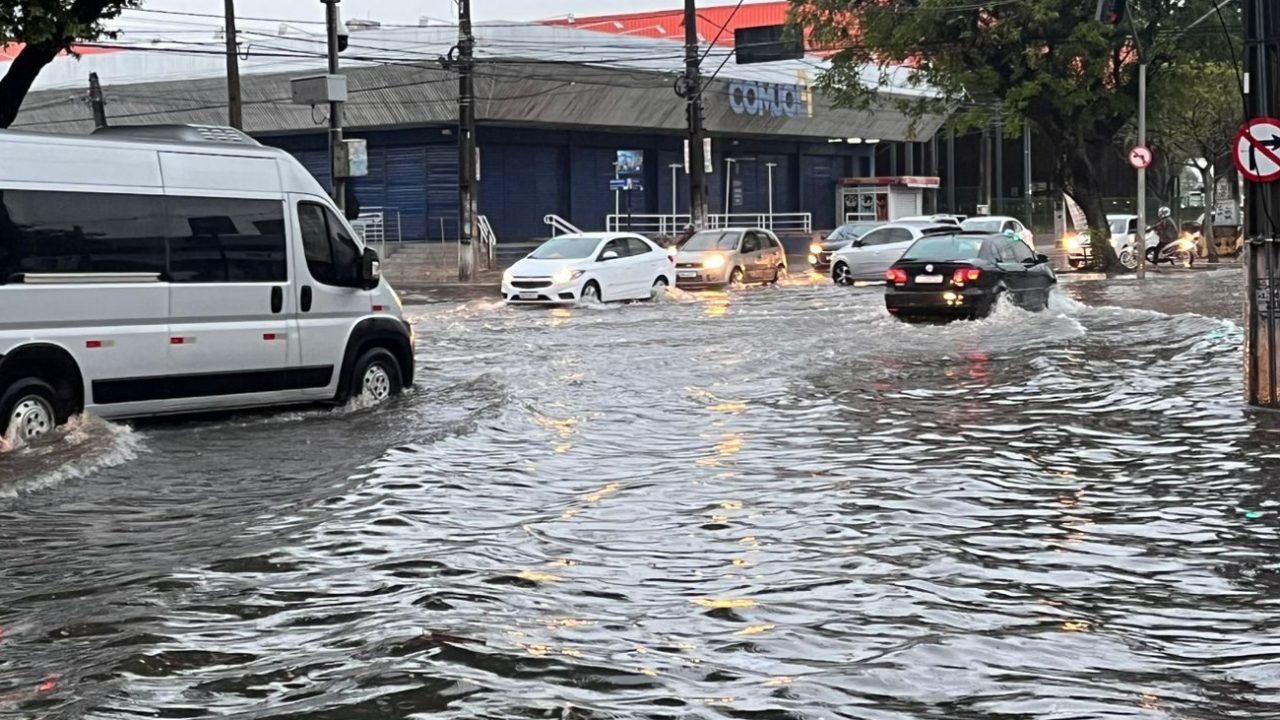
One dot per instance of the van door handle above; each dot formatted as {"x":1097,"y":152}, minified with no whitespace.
{"x":306,"y":298}
{"x":277,"y":299}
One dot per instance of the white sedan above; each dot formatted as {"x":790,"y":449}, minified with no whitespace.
{"x":998,"y":224}
{"x":595,"y":267}
{"x":870,"y":256}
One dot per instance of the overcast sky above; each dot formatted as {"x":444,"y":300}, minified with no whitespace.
{"x":408,"y":11}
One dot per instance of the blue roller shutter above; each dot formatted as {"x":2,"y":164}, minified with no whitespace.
{"x":520,"y":185}
{"x":317,"y":163}
{"x":442,"y":191}
{"x":371,"y":190}
{"x":406,"y":188}
{"x":818,"y":177}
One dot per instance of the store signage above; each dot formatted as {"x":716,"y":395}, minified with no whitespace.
{"x":747,"y":97}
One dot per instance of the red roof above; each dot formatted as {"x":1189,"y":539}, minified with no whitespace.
{"x":9,"y":52}
{"x":670,"y":23}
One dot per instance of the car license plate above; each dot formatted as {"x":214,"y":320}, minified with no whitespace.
{"x":688,"y":273}
{"x":928,"y":279}
{"x":528,"y":296}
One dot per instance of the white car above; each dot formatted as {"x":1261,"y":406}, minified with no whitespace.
{"x":598,"y":267}
{"x":1124,"y":228}
{"x":942,"y":219}
{"x":870,"y":256}
{"x":1000,"y":224}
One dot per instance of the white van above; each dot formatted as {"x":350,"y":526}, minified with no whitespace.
{"x":176,"y":269}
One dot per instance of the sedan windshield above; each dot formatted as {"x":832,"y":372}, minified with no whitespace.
{"x":712,"y":240}
{"x":982,"y":225}
{"x":944,"y":248}
{"x":566,"y":248}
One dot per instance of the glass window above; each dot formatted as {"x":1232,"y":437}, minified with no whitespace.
{"x":638,"y":246}
{"x":751,"y":242}
{"x":214,"y":240}
{"x":315,"y":243}
{"x":333,"y":257}
{"x":566,"y":248}
{"x":980,"y":225}
{"x":68,"y":232}
{"x":878,"y":237}
{"x":943,"y":248}
{"x":900,"y":235}
{"x":617,"y":245}
{"x":1021,"y":253}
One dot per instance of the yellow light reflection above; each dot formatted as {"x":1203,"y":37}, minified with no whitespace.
{"x":717,"y":304}
{"x":724,"y":603}
{"x":602,"y":493}
{"x":538,"y":576}
{"x":560,"y":316}
{"x":1076,"y":626}
{"x":756,"y":630}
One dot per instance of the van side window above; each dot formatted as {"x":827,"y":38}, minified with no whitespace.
{"x":333,"y":258}
{"x":69,"y":232}
{"x":218,"y":240}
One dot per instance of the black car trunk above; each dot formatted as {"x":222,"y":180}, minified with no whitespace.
{"x":926,"y":275}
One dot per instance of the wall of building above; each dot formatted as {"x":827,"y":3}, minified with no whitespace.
{"x":526,"y":173}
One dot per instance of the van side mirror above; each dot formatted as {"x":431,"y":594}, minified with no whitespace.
{"x":370,"y":269}
{"x":608,"y":255}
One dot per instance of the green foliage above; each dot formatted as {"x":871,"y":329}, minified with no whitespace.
{"x":58,"y":21}
{"x":1196,"y":110}
{"x":1046,"y":62}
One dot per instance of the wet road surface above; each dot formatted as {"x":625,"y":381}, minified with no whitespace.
{"x":771,"y":503}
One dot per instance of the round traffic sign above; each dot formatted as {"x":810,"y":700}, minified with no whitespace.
{"x":1140,"y":157}
{"x":1257,"y":150}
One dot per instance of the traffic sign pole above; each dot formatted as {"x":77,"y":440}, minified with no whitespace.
{"x":1257,"y":156}
{"x":1140,"y":242}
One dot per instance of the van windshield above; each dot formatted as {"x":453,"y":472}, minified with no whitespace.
{"x":566,"y":248}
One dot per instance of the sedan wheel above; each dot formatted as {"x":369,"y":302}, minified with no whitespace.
{"x":659,"y":288}
{"x":737,"y":277}
{"x":591,"y":293}
{"x":842,"y":275}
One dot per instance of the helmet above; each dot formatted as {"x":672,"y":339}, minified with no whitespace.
{"x":1164,"y":212}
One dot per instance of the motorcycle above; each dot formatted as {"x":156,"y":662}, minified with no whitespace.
{"x":1180,"y":252}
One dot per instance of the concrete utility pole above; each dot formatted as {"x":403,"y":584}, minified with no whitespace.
{"x":468,"y":217}
{"x":234,"y":112}
{"x":1262,"y":210}
{"x":691,"y":90}
{"x":1140,"y":242}
{"x":339,"y":181}
{"x":96,"y":102}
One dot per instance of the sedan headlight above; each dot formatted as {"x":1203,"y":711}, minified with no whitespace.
{"x":564,"y":275}
{"x":1071,"y":242}
{"x":506,"y":277}
{"x":815,"y":248}
{"x":714,"y":262}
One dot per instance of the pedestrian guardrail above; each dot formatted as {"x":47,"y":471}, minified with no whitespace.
{"x":488,"y":240}
{"x":377,"y":226}
{"x":560,"y":226}
{"x":674,"y":224}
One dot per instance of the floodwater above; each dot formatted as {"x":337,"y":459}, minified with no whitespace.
{"x":770,"y":503}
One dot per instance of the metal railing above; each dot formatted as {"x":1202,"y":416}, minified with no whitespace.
{"x":560,"y":226}
{"x":488,"y":240}
{"x":671,"y":225}
{"x":378,"y":225}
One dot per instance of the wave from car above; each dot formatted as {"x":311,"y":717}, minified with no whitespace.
{"x":599,"y":267}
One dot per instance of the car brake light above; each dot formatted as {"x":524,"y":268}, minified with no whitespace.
{"x":966,"y":275}
{"x":897,"y":276}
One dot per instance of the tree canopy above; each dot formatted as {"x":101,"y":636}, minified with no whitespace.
{"x":1045,"y":62}
{"x":44,"y":29}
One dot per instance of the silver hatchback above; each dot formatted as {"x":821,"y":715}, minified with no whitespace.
{"x":713,"y":258}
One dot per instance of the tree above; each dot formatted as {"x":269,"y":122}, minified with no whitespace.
{"x":1197,"y":111}
{"x":47,"y":28}
{"x":1046,"y":62}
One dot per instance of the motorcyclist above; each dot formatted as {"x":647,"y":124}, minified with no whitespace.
{"x":1165,"y":229}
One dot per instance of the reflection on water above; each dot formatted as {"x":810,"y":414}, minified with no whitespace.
{"x":766,"y":503}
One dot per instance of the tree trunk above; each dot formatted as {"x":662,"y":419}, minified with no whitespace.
{"x":1076,"y":170}
{"x":22,"y":72}
{"x":1210,"y":204}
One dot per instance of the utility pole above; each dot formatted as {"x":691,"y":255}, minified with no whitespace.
{"x":999,"y":141}
{"x":467,"y":189}
{"x":1262,"y":261}
{"x":1140,"y":242}
{"x":339,"y":180}
{"x":234,"y":116}
{"x":690,"y":88}
{"x":96,"y":102}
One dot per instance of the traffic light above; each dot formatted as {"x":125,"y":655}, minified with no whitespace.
{"x":1110,"y":11}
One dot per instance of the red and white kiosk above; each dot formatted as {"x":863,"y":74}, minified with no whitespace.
{"x":882,"y":199}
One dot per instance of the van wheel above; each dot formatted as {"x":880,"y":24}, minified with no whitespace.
{"x":376,"y":377}
{"x":29,"y":411}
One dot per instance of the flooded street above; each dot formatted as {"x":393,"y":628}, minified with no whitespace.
{"x":770,"y":503}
